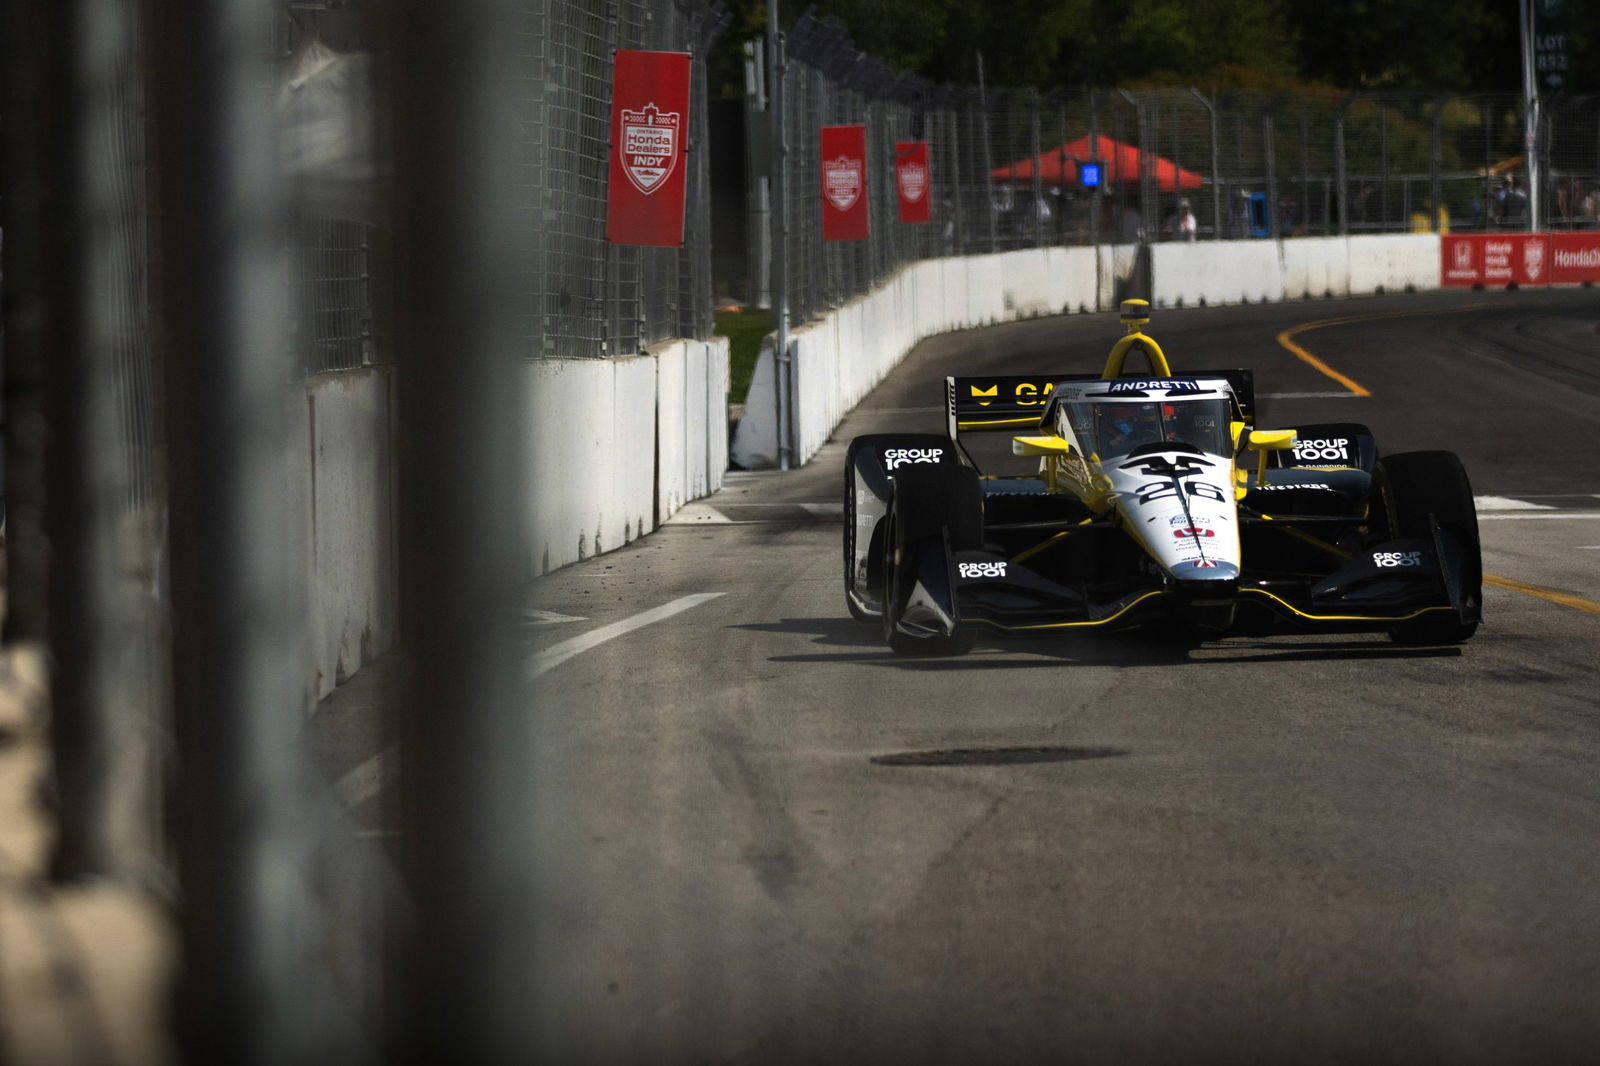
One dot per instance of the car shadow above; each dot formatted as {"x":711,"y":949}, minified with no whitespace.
{"x":861,"y":642}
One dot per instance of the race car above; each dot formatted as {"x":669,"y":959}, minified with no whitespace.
{"x":1156,"y":500}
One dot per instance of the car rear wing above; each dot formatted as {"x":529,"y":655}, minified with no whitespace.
{"x":999,"y":404}
{"x":1017,"y":403}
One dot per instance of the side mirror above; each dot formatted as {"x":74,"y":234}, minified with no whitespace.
{"x":1044,"y":445}
{"x":1270,"y":440}
{"x":1264,"y":441}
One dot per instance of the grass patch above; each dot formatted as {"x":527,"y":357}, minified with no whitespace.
{"x":744,"y":330}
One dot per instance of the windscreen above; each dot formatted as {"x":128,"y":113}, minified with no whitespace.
{"x":1116,"y":427}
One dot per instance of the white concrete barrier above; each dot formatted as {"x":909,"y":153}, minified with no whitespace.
{"x":618,"y":445}
{"x":1208,"y":273}
{"x":1394,"y":263}
{"x":349,"y":423}
{"x":842,"y":357}
{"x":1315,"y":267}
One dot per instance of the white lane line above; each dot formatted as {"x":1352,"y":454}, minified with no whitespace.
{"x":1506,"y":503}
{"x":366,"y":780}
{"x":557,"y":654}
{"x":533,"y":617}
{"x":900,"y":411}
{"x":824,"y":510}
{"x":1514,"y":516}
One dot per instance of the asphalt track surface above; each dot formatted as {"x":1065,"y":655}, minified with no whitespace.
{"x":771,"y":840}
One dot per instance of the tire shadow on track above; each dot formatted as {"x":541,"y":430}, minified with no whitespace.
{"x":860,"y":643}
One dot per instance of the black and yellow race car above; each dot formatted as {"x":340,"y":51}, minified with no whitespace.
{"x":1156,"y":499}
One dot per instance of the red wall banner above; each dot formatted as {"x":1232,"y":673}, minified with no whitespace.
{"x":912,"y":180}
{"x":649,"y":144}
{"x":1521,"y":259}
{"x":1575,"y":257}
{"x":844,"y":183}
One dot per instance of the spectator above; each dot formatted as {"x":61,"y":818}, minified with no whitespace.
{"x":1515,"y":208}
{"x":1182,"y":226}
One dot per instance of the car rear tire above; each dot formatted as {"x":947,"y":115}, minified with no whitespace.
{"x":934,"y":509}
{"x":1412,"y":487}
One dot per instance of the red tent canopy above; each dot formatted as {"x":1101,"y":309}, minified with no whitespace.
{"x":1057,"y":166}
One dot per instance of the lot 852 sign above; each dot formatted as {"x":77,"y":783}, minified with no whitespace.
{"x":649,"y":139}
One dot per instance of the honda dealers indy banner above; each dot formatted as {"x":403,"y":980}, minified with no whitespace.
{"x":1519,"y":258}
{"x":649,"y":130}
{"x":844,"y":183}
{"x":911,"y":180}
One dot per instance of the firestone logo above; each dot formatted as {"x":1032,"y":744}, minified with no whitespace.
{"x":842,"y":181}
{"x":649,"y":146}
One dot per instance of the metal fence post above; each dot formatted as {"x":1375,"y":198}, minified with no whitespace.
{"x":1435,"y":160}
{"x":988,"y":163}
{"x":1094,"y":154}
{"x":1270,"y":152}
{"x":1216,"y":165}
{"x":778,"y":70}
{"x":469,"y":825}
{"x":1341,"y":181}
{"x":1038,"y":165}
{"x":250,"y":989}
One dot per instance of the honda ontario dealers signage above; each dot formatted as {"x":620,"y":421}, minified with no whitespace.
{"x":1482,"y":259}
{"x":649,"y":127}
{"x":845,"y":205}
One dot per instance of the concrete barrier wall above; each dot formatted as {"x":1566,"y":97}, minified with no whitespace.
{"x":1316,"y":267}
{"x":842,"y":357}
{"x":348,"y":419}
{"x":1208,"y":273}
{"x":1394,"y":263}
{"x":618,"y":445}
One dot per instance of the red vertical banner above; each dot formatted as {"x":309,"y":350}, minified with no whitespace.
{"x":912,"y":180}
{"x":844,"y":183}
{"x":649,"y":145}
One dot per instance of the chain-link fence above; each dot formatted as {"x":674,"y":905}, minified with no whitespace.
{"x":1006,"y":164}
{"x":586,"y":297}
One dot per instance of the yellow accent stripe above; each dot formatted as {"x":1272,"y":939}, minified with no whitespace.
{"x":1315,"y":542}
{"x":1339,"y":617}
{"x":1070,"y":625}
{"x":997,"y":423}
{"x":1041,"y":546}
{"x":1577,"y":603}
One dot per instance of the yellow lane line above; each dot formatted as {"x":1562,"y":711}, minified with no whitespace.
{"x":1306,"y":357}
{"x":1356,"y":388}
{"x":1577,"y":603}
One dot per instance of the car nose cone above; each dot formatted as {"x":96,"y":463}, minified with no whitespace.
{"x":1207,"y":570}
